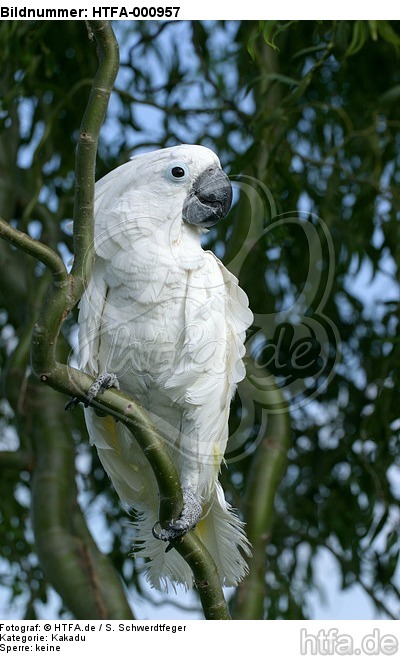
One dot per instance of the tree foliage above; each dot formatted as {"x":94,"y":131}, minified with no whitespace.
{"x":305,"y":117}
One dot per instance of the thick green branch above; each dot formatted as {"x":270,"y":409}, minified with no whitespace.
{"x":269,"y":462}
{"x":71,"y":561}
{"x":206,"y":576}
{"x":20,"y":460}
{"x":108,"y":55}
{"x":68,"y":554}
{"x":73,"y":382}
{"x":61,"y":299}
{"x":68,"y":380}
{"x":63,"y":296}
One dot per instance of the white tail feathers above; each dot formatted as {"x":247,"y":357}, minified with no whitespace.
{"x":220,"y":529}
{"x":221,"y":532}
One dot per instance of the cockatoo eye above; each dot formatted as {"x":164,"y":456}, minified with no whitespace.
{"x":177,"y":171}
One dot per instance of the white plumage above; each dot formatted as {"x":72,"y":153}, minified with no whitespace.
{"x":169,"y":320}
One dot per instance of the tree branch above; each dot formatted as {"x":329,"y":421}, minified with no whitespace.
{"x":20,"y":460}
{"x":108,"y":55}
{"x":67,"y":553}
{"x":70,"y":559}
{"x":138,"y":422}
{"x":269,"y":462}
{"x":206,"y":576}
{"x":40,"y":251}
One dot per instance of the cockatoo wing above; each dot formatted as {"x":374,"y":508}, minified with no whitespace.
{"x":210,"y":364}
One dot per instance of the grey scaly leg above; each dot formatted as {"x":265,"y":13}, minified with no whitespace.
{"x":102,"y":382}
{"x":189,"y":517}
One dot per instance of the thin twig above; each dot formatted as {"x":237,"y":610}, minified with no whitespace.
{"x":40,"y":251}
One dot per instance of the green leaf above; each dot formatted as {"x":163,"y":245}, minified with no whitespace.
{"x":359,"y":37}
{"x":387,"y":33}
{"x":250,"y":45}
{"x":373,"y":28}
{"x":391,"y":95}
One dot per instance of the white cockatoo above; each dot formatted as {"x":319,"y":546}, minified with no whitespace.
{"x":169,"y":321}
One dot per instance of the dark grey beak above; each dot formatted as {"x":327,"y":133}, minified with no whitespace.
{"x":209,"y":200}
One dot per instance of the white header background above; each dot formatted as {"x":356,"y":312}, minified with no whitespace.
{"x":211,"y":10}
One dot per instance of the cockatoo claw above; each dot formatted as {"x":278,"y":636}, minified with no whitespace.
{"x":102,"y":382}
{"x":189,"y":517}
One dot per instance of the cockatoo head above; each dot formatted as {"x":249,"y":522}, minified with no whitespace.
{"x":185,"y":181}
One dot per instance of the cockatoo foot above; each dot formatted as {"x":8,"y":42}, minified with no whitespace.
{"x":189,"y":517}
{"x":102,"y":382}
